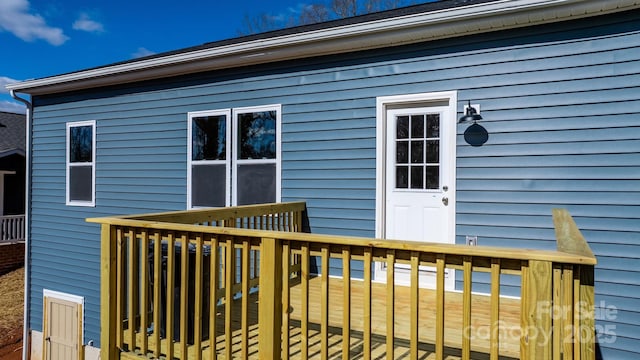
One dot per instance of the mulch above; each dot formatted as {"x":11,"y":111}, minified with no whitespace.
{"x":11,"y":314}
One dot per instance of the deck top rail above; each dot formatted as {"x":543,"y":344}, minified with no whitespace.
{"x":240,"y":256}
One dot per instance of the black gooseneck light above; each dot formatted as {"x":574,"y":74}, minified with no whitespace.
{"x":476,"y":134}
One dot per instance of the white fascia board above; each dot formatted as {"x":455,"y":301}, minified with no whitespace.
{"x":464,"y":20}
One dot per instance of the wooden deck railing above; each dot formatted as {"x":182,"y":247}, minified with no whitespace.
{"x":11,"y":228}
{"x":235,"y":293}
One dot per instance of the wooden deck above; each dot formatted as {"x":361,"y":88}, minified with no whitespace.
{"x":260,"y":276}
{"x":480,"y":340}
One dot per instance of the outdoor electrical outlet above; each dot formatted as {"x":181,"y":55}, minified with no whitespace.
{"x":472,"y":240}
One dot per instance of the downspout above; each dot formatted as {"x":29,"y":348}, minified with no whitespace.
{"x":27,"y":217}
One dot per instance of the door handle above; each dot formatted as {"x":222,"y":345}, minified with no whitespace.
{"x":445,"y":201}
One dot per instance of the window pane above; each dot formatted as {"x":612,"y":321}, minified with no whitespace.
{"x":433,"y":151}
{"x":256,"y":184}
{"x":257,"y":134}
{"x":402,"y":127}
{"x":80,"y":183}
{"x":433,"y":177}
{"x":208,"y":185}
{"x":417,"y":152}
{"x":80,"y":144}
{"x":402,"y":177}
{"x":402,"y":152}
{"x":433,"y":125}
{"x":417,"y":126}
{"x":209,"y":138}
{"x":417,"y":177}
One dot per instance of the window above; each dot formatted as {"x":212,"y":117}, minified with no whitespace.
{"x":209,"y":161}
{"x":234,"y":157}
{"x":81,"y":141}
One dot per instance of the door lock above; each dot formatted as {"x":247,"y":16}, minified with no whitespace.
{"x":445,"y":201}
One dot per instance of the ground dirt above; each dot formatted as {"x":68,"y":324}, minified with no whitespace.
{"x":11,"y":310}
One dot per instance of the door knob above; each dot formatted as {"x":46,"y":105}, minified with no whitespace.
{"x":445,"y":201}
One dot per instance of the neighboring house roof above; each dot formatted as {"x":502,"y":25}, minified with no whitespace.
{"x":425,"y":22}
{"x":12,"y":134}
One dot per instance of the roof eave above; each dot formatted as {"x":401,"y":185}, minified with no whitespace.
{"x":459,"y":21}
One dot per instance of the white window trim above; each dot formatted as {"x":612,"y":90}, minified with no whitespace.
{"x":190,"y":162}
{"x":278,"y":160}
{"x":70,"y":202}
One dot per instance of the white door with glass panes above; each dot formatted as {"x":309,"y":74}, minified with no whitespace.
{"x":234,"y":157}
{"x":418,"y":181}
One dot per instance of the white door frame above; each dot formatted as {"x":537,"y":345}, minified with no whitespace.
{"x":383,"y":103}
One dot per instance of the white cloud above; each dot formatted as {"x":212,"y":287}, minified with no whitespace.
{"x":85,"y":23}
{"x":12,"y":107}
{"x":142,"y":52}
{"x":15,"y":17}
{"x":4,"y":81}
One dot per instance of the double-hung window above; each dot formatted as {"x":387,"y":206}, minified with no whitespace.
{"x":234,"y":156}
{"x":81,"y":156}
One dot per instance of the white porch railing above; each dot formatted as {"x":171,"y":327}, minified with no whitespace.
{"x":11,"y":228}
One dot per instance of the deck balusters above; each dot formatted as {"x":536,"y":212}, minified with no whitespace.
{"x":145,"y":313}
{"x":324,"y":303}
{"x":304,"y":302}
{"x":245,"y":298}
{"x":366,"y":315}
{"x":157,"y":268}
{"x":286,"y":299}
{"x":414,"y":318}
{"x":144,"y":290}
{"x":346,"y":302}
{"x":197,"y":300}
{"x":495,"y":309}
{"x":466,"y":307}
{"x":121,"y":293}
{"x":214,"y":282}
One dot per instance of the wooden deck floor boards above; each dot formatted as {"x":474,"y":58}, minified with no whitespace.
{"x":509,"y":324}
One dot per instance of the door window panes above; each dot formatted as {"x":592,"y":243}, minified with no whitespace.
{"x":417,"y":146}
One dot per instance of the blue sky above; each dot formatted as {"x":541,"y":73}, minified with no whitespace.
{"x":40,"y":38}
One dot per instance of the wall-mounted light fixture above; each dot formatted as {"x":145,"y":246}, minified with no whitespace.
{"x":475,"y":135}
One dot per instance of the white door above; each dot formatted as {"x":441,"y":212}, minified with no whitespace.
{"x":420,"y":178}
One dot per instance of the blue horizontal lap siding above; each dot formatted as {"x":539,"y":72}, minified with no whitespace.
{"x":560,"y":110}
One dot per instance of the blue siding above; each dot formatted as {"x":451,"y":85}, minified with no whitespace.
{"x":560,"y":103}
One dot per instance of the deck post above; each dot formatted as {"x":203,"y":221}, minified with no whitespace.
{"x":108,"y":324}
{"x":270,"y":299}
{"x":570,"y":240}
{"x":536,"y":302}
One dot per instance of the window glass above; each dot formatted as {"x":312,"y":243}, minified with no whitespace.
{"x":208,"y":185}
{"x":209,"y":138}
{"x":80,"y":183}
{"x":257,"y":135}
{"x":256,"y":184}
{"x":80,"y":144}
